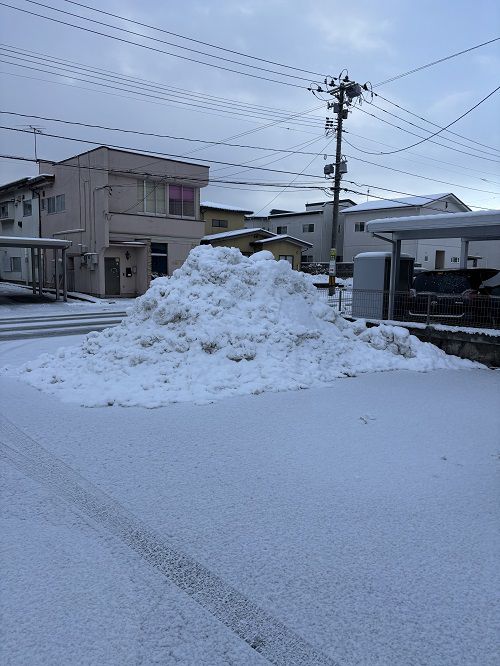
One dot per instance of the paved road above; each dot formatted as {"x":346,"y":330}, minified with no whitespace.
{"x":38,"y":326}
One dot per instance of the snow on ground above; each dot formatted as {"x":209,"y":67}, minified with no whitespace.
{"x":10,"y":308}
{"x":224,"y":325}
{"x":363,"y":515}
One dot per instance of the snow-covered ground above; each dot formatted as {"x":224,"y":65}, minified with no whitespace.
{"x":10,"y":308}
{"x":363,"y":516}
{"x":224,"y":325}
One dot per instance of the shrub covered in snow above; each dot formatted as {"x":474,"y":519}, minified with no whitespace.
{"x":222,"y":325}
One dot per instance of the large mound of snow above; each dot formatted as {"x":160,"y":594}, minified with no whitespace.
{"x":222,"y":325}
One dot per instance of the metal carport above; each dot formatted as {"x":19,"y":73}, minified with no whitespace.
{"x":470,"y":226}
{"x":36,"y":245}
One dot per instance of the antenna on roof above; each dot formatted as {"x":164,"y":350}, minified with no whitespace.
{"x":36,"y":130}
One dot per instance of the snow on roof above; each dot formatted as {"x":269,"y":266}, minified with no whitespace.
{"x":218,"y":206}
{"x":237,"y":232}
{"x":285,"y":237}
{"x":480,"y":225}
{"x":402,"y":202}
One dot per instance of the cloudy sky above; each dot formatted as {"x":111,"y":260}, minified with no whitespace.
{"x":54,"y":70}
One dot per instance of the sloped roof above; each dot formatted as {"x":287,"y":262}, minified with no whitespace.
{"x":219,"y":206}
{"x":284,"y":237}
{"x":399,"y":202}
{"x":236,"y":233}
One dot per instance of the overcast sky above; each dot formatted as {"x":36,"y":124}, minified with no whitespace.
{"x":372,"y":40}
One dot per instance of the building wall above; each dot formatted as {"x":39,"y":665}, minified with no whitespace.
{"x":294,"y":224}
{"x":244,"y":245}
{"x":362,"y":241}
{"x":18,"y":224}
{"x":235,"y":220}
{"x":282,"y":248}
{"x":103,"y":209}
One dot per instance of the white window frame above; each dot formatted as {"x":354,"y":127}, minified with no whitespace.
{"x":26,"y":203}
{"x":282,"y":230}
{"x":359,"y":227}
{"x":308,"y":228}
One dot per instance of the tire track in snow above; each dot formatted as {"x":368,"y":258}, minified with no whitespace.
{"x":260,"y":630}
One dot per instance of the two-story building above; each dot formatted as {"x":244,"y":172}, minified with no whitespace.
{"x":221,"y":218}
{"x":129,"y":216}
{"x":20,"y":216}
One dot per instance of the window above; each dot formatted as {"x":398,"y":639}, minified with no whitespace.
{"x":359,"y":226}
{"x":4,"y":210}
{"x":281,"y":230}
{"x":455,"y":260}
{"x":15,"y":264}
{"x":56,"y":204}
{"x":287,"y":257}
{"x":220,"y":223}
{"x":307,"y":228}
{"x":181,"y":200}
{"x":26,"y":208}
{"x":426,"y":257}
{"x":151,"y":197}
{"x":307,"y":258}
{"x":159,"y":260}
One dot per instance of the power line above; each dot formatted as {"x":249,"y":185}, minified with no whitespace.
{"x":436,"y":62}
{"x":154,"y":152}
{"x":143,"y":46}
{"x":426,"y":157}
{"x":416,"y":175}
{"x":146,"y":174}
{"x":138,"y":99}
{"x":196,"y":41}
{"x":295,"y":178}
{"x":426,"y":120}
{"x":154,"y":134}
{"x":437,"y":143}
{"x":442,"y":129}
{"x":292,"y":173}
{"x":162,"y":41}
{"x":149,"y":174}
{"x":38,"y":58}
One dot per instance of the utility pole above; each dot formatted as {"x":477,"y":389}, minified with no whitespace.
{"x":332,"y":270}
{"x":344,"y":92}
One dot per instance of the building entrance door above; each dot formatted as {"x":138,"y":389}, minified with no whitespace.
{"x":112,"y":276}
{"x":439,"y":262}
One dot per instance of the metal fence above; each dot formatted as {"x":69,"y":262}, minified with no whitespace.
{"x":465,"y":310}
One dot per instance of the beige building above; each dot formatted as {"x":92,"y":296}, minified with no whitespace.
{"x":129,"y":217}
{"x":220,"y":218}
{"x":249,"y":241}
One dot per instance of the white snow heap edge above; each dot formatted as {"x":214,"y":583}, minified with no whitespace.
{"x":222,"y":325}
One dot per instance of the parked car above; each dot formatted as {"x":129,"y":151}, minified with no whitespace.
{"x":466,"y":296}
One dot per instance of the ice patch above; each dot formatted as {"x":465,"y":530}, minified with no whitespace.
{"x":224,"y":325}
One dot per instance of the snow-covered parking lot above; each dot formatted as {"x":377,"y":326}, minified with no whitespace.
{"x":363,"y":516}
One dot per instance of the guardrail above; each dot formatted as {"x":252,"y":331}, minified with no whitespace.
{"x":468,"y":309}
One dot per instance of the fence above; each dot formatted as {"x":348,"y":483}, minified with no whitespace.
{"x":467,"y":309}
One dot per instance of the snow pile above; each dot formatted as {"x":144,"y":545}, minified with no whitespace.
{"x":223,"y":325}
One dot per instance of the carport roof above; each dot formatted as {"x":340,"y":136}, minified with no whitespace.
{"x":23,"y":241}
{"x":483,"y":225}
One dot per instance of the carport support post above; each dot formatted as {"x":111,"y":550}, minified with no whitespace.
{"x":65,"y":288}
{"x":39,"y":268}
{"x":394,"y":278}
{"x":33,"y":270}
{"x":56,"y":270}
{"x":464,"y":253}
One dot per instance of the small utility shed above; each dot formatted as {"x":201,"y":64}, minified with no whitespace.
{"x":470,"y":226}
{"x":249,"y":241}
